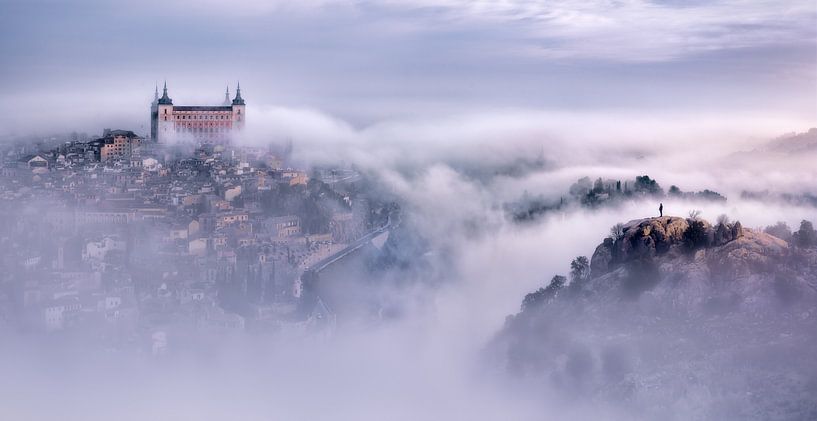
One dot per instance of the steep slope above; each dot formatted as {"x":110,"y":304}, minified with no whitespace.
{"x":678,"y":319}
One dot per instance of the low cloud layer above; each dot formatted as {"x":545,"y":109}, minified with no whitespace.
{"x":453,"y":109}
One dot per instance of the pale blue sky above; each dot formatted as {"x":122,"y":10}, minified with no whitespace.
{"x":96,"y":61}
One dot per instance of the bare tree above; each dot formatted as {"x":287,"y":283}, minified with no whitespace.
{"x":617,"y":231}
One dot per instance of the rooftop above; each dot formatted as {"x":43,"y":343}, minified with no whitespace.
{"x":202,"y":108}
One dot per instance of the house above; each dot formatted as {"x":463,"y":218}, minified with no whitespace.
{"x":96,"y":250}
{"x":283,"y":226}
{"x":229,"y":218}
{"x":38,"y":164}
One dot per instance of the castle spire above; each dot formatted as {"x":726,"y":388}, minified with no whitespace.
{"x":165,"y":99}
{"x":227,"y":96}
{"x":156,"y":93}
{"x":238,"y":100}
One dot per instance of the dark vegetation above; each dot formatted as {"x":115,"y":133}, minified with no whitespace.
{"x":696,"y":236}
{"x":804,"y":237}
{"x":593,"y":194}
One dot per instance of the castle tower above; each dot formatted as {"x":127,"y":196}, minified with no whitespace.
{"x":154,"y":114}
{"x":238,"y":109}
{"x":165,"y":115}
{"x":227,"y":100}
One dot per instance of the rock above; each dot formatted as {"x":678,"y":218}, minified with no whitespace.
{"x":725,"y":233}
{"x":753,"y":252}
{"x":649,"y":237}
{"x":737,"y":230}
{"x":602,"y":257}
{"x":721,"y":235}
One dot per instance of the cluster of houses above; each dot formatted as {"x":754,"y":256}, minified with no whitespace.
{"x":140,"y":241}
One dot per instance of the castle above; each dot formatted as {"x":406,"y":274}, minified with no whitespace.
{"x":209,"y":123}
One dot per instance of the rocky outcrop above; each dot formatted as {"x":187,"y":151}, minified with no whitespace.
{"x":649,"y":237}
{"x":663,"y":325}
{"x":752,"y":253}
{"x":653,"y":237}
{"x":725,"y":233}
{"x":654,"y":255}
{"x":602,"y":258}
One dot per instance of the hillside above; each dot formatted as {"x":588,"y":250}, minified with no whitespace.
{"x":794,"y":143}
{"x":677,"y":319}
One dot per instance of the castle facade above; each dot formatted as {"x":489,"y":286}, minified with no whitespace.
{"x":208,"y":123}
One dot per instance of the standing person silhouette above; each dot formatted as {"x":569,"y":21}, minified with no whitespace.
{"x":660,"y":210}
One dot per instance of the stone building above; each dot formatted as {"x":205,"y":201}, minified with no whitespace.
{"x":208,"y":123}
{"x":116,"y":145}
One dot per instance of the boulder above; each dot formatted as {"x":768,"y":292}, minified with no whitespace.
{"x":602,"y":257}
{"x":726,"y":233}
{"x":649,"y":237}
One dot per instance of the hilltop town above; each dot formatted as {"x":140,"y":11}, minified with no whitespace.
{"x":143,"y":240}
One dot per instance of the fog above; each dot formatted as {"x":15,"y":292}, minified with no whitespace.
{"x":456,"y":113}
{"x":427,"y":363}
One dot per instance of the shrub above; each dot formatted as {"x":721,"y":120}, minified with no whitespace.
{"x":805,"y":236}
{"x":780,"y":230}
{"x":695,"y":235}
{"x":617,"y":231}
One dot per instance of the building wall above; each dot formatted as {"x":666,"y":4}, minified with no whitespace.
{"x":164,"y":127}
{"x":121,"y":147}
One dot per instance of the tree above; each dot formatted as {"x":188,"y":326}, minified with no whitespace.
{"x":780,"y":230}
{"x":723,"y":219}
{"x":598,"y":186}
{"x":645,"y":184}
{"x":805,"y":236}
{"x":617,"y":231}
{"x":579,"y":269}
{"x":695,"y":235}
{"x":581,"y":187}
{"x":675,"y":191}
{"x":694,"y":214}
{"x":543,"y":295}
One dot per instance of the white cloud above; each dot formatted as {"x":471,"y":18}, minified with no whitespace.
{"x":629,"y":30}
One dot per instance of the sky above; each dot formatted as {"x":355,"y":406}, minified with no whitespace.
{"x":94,"y":63}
